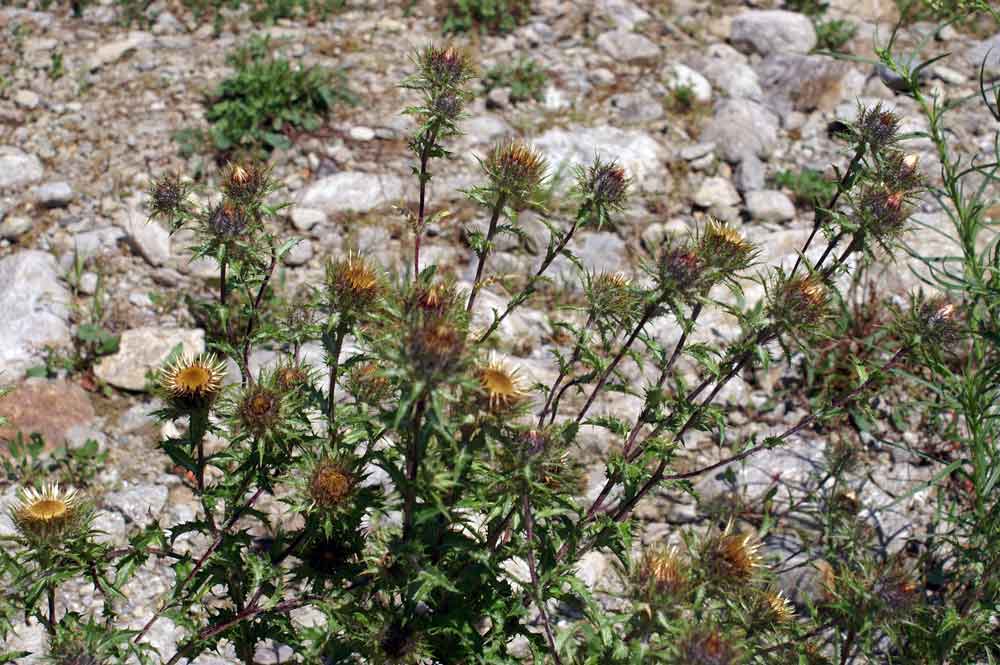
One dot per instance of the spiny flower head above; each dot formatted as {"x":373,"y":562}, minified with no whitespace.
{"x":724,"y":249}
{"x":707,"y":648}
{"x":798,"y":301}
{"x":368,"y":384}
{"x":399,"y":643}
{"x":244,"y":182}
{"x":168,"y":197}
{"x":877,"y":127}
{"x":291,"y":376}
{"x":330,"y":484}
{"x":50,"y":515}
{"x":227,"y":222}
{"x":611,"y":295}
{"x":193,"y":381}
{"x":447,"y":105}
{"x":604,"y":186}
{"x":732,"y":557}
{"x":882,"y":211}
{"x":777,"y":607}
{"x":435,"y":344}
{"x":352,"y":284}
{"x":680,"y":269}
{"x":260,"y":409}
{"x":516,"y":172}
{"x":502,"y":386}
{"x":939,"y":321}
{"x":443,"y":67}
{"x":900,"y":171}
{"x":662,"y":571}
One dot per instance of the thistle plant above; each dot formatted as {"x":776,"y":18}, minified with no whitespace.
{"x":429,"y":504}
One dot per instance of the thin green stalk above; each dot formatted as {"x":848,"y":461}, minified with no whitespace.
{"x":491,"y":231}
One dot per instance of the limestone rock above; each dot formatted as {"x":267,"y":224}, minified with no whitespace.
{"x":144,"y":350}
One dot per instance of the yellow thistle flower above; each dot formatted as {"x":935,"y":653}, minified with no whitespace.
{"x":778,"y":607}
{"x":502,"y":385}
{"x":330,"y":484}
{"x":260,"y":409}
{"x":49,"y":515}
{"x":352,"y":282}
{"x":662,"y":570}
{"x":193,"y":381}
{"x":515,"y":170}
{"x":724,"y":248}
{"x":734,"y":556}
{"x":799,"y":300}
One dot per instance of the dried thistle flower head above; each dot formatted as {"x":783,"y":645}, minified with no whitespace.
{"x":611,"y":295}
{"x":896,"y":588}
{"x":724,"y":249}
{"x":368,"y":384}
{"x":244,"y":182}
{"x":662,"y":571}
{"x":707,"y":648}
{"x":605,"y":184}
{"x":168,"y":197}
{"x":798,"y":301}
{"x":501,"y":385}
{"x":291,"y":376}
{"x":444,"y":66}
{"x":447,"y":105}
{"x":49,"y":516}
{"x":877,"y":127}
{"x":939,"y":321}
{"x":227,"y":222}
{"x":680,"y":269}
{"x":732,"y":557}
{"x":260,"y":409}
{"x":436,"y":344}
{"x":516,"y":171}
{"x":777,"y":607}
{"x":193,"y":381}
{"x":330,"y":484}
{"x":882,"y":211}
{"x":352,"y":284}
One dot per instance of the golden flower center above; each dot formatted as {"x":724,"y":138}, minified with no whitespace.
{"x":330,"y":485}
{"x":261,"y":403}
{"x":193,"y":379}
{"x":498,"y":382}
{"x":47,"y":509}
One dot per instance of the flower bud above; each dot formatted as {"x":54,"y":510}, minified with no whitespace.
{"x":515,"y":171}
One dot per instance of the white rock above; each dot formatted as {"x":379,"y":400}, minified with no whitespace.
{"x":27,"y":99}
{"x":299,"y":254}
{"x":628,"y":47}
{"x":351,"y":191}
{"x":151,"y":240}
{"x":767,"y":31}
{"x":770,"y":206}
{"x":740,"y":127}
{"x":53,"y":194}
{"x":143,"y":350}
{"x":18,"y":168}
{"x":640,"y":155}
{"x":362,"y":133}
{"x":304,"y":219}
{"x":681,"y":76}
{"x":716,"y":192}
{"x":140,"y":504}
{"x":35,"y":311}
{"x":111,"y":52}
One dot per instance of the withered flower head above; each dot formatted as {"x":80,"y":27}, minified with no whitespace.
{"x":435,"y":298}
{"x":502,"y":386}
{"x":436,"y":343}
{"x":444,"y":66}
{"x":897,"y":589}
{"x":259,"y":409}
{"x":901,"y":173}
{"x":330,"y":484}
{"x":680,"y":268}
{"x":611,"y":294}
{"x":193,"y":381}
{"x":799,"y":300}
{"x":447,"y":105}
{"x":778,"y":608}
{"x":723,"y":249}
{"x":707,"y":648}
{"x":877,"y":127}
{"x":882,"y":211}
{"x":244,"y":183}
{"x":516,"y":171}
{"x":291,"y":376}
{"x":939,"y":321}
{"x":662,"y":571}
{"x":733,"y":557}
{"x":352,"y":283}
{"x":167,"y":197}
{"x":227,"y":221}
{"x":368,"y":384}
{"x":605,"y":183}
{"x":48,"y":516}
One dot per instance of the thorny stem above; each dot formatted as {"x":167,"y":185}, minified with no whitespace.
{"x":577,"y":351}
{"x":247,"y":335}
{"x":494,"y":536}
{"x":201,"y":562}
{"x":824,"y":213}
{"x":530,"y":287}
{"x":413,"y":467}
{"x":529,"y":525}
{"x":331,"y":404}
{"x":197,"y":427}
{"x":646,"y":316}
{"x":223,"y":294}
{"x":490,"y":232}
{"x":425,"y":154}
{"x":50,"y":591}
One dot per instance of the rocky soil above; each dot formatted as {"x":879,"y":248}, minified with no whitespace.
{"x":77,"y":151}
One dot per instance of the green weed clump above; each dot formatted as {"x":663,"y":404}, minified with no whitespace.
{"x":265,"y":101}
{"x":525,"y":78}
{"x":494,"y":16}
{"x":808,"y":186}
{"x":428,"y":503}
